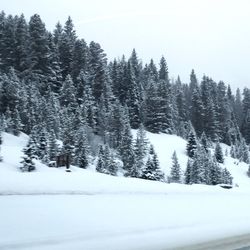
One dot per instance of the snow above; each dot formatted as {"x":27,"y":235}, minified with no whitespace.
{"x":51,"y":209}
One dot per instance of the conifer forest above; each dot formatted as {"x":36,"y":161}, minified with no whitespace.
{"x":69,"y":98}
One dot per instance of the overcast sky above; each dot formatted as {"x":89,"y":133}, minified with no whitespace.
{"x":211,"y":36}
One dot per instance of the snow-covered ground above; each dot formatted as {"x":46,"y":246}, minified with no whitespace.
{"x":52,"y":209}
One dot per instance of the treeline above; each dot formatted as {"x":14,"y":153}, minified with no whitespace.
{"x":56,"y":86}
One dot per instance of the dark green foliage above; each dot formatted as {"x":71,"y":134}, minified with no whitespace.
{"x":81,"y":148}
{"x":53,"y":147}
{"x":151,"y":170}
{"x":226,"y":177}
{"x":126,"y":151}
{"x":38,"y":56}
{"x":218,"y":153}
{"x":175,"y":173}
{"x":188,"y":172}
{"x":29,"y":154}
{"x":100,"y":167}
{"x":192,"y":143}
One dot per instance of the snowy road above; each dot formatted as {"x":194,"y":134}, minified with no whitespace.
{"x":241,"y":242}
{"x":54,"y":222}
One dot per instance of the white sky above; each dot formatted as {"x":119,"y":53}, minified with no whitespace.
{"x":211,"y":36}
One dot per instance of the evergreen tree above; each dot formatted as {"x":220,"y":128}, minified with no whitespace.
{"x":53,"y":147}
{"x":80,"y":57}
{"x":38,"y":59}
{"x":199,"y":172}
{"x":97,"y":69}
{"x":66,"y":38}
{"x":29,"y":154}
{"x":112,"y":165}
{"x":175,"y":173}
{"x":192,"y":143}
{"x":188,"y":172}
{"x":226,"y":177}
{"x":218,"y":153}
{"x":214,"y":172}
{"x":100,"y":167}
{"x":81,"y":148}
{"x":151,"y":170}
{"x":197,"y":111}
{"x":21,"y":44}
{"x":126,"y":150}
{"x":204,"y":141}
{"x":243,"y":152}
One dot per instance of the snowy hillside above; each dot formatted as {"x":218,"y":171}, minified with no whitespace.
{"x":87,"y":210}
{"x":52,"y":180}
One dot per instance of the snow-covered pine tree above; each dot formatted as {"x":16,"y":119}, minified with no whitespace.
{"x":243,"y":150}
{"x":17,"y":124}
{"x":204,"y":141}
{"x":140,"y":149}
{"x":112,"y":165}
{"x":126,"y":150}
{"x":42,"y":144}
{"x":81,"y":148}
{"x":215,"y":174}
{"x":198,"y":173}
{"x":83,"y":159}
{"x":175,"y":173}
{"x":29,"y":154}
{"x":100,"y":167}
{"x":192,"y":143}
{"x":38,"y":56}
{"x":188,"y":172}
{"x":197,"y":110}
{"x":53,"y":146}
{"x":151,"y":171}
{"x":218,"y":153}
{"x":226,"y":177}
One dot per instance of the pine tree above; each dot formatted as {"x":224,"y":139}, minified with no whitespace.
{"x":175,"y":173}
{"x":17,"y":124}
{"x":226,"y":177}
{"x":100,"y":167}
{"x":112,"y":165}
{"x":38,"y":59}
{"x":80,"y":57}
{"x":97,"y":69}
{"x":81,"y":148}
{"x":188,"y":172}
{"x":126,"y":150}
{"x":218,"y":153}
{"x":151,"y":170}
{"x":53,"y":147}
{"x":133,"y":101}
{"x":29,"y":154}
{"x":199,"y":171}
{"x":204,"y":141}
{"x":214,"y":172}
{"x":197,"y":111}
{"x":243,"y":152}
{"x":21,"y":44}
{"x":192,"y":143}
{"x":141,"y":143}
{"x":66,"y":39}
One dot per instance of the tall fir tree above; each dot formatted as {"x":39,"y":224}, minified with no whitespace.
{"x":29,"y":154}
{"x":175,"y":173}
